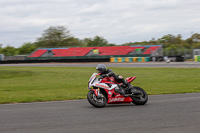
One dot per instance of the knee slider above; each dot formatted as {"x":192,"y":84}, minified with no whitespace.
{"x":120,"y":77}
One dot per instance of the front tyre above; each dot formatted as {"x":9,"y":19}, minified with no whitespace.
{"x":141,"y":98}
{"x":96,"y":102}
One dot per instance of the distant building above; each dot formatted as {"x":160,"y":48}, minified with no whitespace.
{"x":196,"y":52}
{"x":1,"y":56}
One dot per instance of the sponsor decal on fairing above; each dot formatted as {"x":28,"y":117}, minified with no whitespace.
{"x":106,"y":87}
{"x":116,"y":99}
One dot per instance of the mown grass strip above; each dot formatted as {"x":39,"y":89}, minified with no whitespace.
{"x":31,"y":84}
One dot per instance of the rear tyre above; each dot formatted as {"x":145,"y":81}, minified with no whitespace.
{"x":141,"y":98}
{"x":96,"y":102}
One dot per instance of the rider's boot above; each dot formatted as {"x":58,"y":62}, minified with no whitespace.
{"x":125,"y":84}
{"x":120,"y":90}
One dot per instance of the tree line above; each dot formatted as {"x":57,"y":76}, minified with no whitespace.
{"x":60,"y":36}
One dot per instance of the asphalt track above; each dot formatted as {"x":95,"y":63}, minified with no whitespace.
{"x":176,"y":113}
{"x":149,"y":64}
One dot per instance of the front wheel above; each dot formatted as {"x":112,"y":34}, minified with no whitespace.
{"x":96,"y":102}
{"x":141,"y":98}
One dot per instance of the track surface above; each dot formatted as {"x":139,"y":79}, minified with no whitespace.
{"x":176,"y":113}
{"x":150,"y":64}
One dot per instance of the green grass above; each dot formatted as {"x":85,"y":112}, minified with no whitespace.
{"x":31,"y":84}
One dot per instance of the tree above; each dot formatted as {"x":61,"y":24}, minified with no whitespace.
{"x":26,"y":48}
{"x":57,"y":36}
{"x":1,"y":47}
{"x":71,"y":41}
{"x":178,"y":39}
{"x":153,"y":41}
{"x":53,"y":36}
{"x":9,"y":51}
{"x":196,"y":37}
{"x":96,"y":41}
{"x":167,"y":39}
{"x":193,"y":41}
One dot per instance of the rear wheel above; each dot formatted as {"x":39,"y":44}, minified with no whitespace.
{"x":141,"y":97}
{"x":96,"y":102}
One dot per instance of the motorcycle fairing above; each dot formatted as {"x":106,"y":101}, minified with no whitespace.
{"x":114,"y":97}
{"x":109,"y":80}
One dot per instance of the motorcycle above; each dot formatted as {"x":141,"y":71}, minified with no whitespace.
{"x":103,"y":91}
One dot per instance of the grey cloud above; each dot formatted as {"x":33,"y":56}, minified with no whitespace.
{"x":115,"y":20}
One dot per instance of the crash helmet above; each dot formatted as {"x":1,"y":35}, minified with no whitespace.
{"x":101,"y":68}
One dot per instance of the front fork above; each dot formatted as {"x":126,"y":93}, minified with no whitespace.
{"x":97,"y":93}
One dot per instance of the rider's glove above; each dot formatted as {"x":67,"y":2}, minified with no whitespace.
{"x":104,"y":75}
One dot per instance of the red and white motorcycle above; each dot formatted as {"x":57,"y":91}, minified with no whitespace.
{"x":106,"y":91}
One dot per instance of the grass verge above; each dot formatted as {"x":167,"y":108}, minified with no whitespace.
{"x":31,"y":84}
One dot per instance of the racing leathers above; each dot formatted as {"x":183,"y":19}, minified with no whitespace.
{"x":118,"y":78}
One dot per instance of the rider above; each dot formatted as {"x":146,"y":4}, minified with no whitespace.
{"x":101,"y":68}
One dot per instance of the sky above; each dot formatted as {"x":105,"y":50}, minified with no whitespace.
{"x":117,"y":21}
